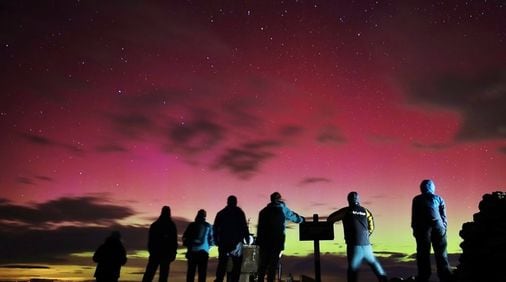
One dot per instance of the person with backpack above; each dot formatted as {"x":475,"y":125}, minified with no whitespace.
{"x":271,"y":234}
{"x":198,"y":238}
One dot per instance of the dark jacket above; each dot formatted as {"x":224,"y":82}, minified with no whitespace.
{"x":358,"y":224}
{"x":428,"y":210}
{"x":230,"y":228}
{"x":272,"y":224}
{"x":110,"y":256}
{"x":162,"y":242}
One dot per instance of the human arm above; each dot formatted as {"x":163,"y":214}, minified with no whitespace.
{"x":370,"y":221}
{"x":442,"y":212}
{"x":291,"y":215}
{"x":337,"y":215}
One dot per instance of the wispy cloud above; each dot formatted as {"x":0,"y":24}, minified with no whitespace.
{"x":48,"y":142}
{"x":479,"y":98}
{"x":314,"y":180}
{"x":245,"y":160}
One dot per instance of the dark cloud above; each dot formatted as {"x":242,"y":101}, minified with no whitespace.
{"x":111,"y":148}
{"x":434,"y":147}
{"x":480,"y":99}
{"x":196,"y":136}
{"x":245,"y":160}
{"x":313,"y":180}
{"x":290,"y":130}
{"x":44,"y":178}
{"x":89,"y":210}
{"x":330,"y":134}
{"x":33,"y":180}
{"x":44,"y":141}
{"x":132,"y":125}
{"x":25,"y":180}
{"x":35,"y":241}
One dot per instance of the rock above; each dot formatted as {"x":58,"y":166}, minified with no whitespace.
{"x":484,"y":242}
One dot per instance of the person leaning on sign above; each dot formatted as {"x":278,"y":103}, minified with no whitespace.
{"x":358,"y":225}
{"x":271,"y":234}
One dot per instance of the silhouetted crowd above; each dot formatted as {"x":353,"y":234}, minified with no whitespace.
{"x":230,"y":233}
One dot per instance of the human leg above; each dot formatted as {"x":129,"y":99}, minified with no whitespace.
{"x":355,"y":257}
{"x":374,"y":263}
{"x":164,"y":270}
{"x":439,"y":244}
{"x":192,"y":266}
{"x":273,"y":266}
{"x":423,"y":255}
{"x":222,"y":266}
{"x":151,"y":267}
{"x":265,"y":256}
{"x":203,"y":258}
{"x":236,"y":268}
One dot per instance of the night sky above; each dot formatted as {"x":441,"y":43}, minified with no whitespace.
{"x":111,"y":109}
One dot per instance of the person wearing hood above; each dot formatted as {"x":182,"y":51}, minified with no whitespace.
{"x":162,"y":246}
{"x":110,"y":256}
{"x":358,"y":225}
{"x":198,"y":238}
{"x":230,"y":228}
{"x":271,"y":234}
{"x":429,"y":224}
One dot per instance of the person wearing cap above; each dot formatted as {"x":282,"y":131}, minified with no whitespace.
{"x":198,"y":238}
{"x":230,"y":228}
{"x":162,"y":246}
{"x":271,"y":234}
{"x":358,"y":225}
{"x":429,"y":224}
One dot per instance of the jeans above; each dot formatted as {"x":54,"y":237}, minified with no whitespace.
{"x":357,"y":255}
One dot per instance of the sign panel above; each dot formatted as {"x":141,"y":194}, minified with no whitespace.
{"x":310,"y":231}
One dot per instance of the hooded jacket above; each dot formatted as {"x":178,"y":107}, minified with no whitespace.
{"x":272,"y":225}
{"x":428,"y":209}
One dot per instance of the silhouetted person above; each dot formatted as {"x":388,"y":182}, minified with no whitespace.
{"x":429,"y":223}
{"x":162,"y":246}
{"x":110,"y":256}
{"x":271,"y":234}
{"x":230,"y":229}
{"x":198,"y":238}
{"x":358,"y":225}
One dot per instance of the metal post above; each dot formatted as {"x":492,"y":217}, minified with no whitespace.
{"x":317,"y":268}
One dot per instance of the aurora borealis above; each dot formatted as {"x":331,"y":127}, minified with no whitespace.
{"x":110,"y":110}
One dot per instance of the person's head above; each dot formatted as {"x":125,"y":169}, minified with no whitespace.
{"x":201,"y":215}
{"x":232,"y":201}
{"x":276,"y":197}
{"x":353,"y":199}
{"x":427,"y":186}
{"x":114,"y":236}
{"x":165,"y":213}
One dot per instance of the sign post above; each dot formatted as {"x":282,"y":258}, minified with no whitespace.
{"x":316,"y":231}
